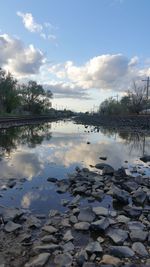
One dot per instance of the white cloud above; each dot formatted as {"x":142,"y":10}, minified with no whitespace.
{"x":66,"y":90}
{"x":113,"y":72}
{"x":34,"y":27}
{"x":19,"y":59}
{"x":29,"y":22}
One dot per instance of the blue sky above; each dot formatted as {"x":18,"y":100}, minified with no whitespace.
{"x":83,"y":50}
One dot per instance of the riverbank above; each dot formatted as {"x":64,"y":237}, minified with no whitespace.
{"x":126,"y":123}
{"x":13,"y":121}
{"x":106,"y":222}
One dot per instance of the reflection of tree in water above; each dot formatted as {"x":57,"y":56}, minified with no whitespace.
{"x":135,"y":140}
{"x":30,"y":135}
{"x":138,"y":141}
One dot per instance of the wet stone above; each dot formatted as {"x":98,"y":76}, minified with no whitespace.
{"x":100,"y":225}
{"x":138,"y":235}
{"x":101,"y":211}
{"x":63,"y":260}
{"x":94,"y":247}
{"x":50,"y":229}
{"x":69,"y":246}
{"x":117,"y":235}
{"x":121,"y":251}
{"x":140,"y":249}
{"x":86,"y":215}
{"x":39,"y":261}
{"x":108,"y":259}
{"x":68,"y":236}
{"x":84,"y":226}
{"x":11,"y":227}
{"x":135,"y":225}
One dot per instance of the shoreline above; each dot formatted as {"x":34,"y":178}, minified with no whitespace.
{"x":96,"y":234}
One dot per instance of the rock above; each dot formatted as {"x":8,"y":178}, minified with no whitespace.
{"x":103,"y":158}
{"x":100,"y":225}
{"x":50,"y":229}
{"x":75,"y":200}
{"x":53,"y":213}
{"x":101,"y":211}
{"x":48,"y":239}
{"x":122,"y":219}
{"x":145,"y":158}
{"x":138,"y":235}
{"x":69,"y":246}
{"x":11,"y":214}
{"x":117,"y":235}
{"x":63,"y":260}
{"x":121,"y":251}
{"x":100,"y":239}
{"x":64,"y":202}
{"x":135,"y":225}
{"x":106,"y":169}
{"x":24,"y":237}
{"x":84,"y":226}
{"x":133,"y":211}
{"x":68,"y":236}
{"x":73,"y":219}
{"x":86,"y":215}
{"x":121,"y":195}
{"x":45,"y":248}
{"x":140,"y":249}
{"x":32,"y":221}
{"x":139,"y":197}
{"x":38,"y":261}
{"x":52,"y":180}
{"x":62,"y":188}
{"x":11,"y":184}
{"x":130,"y":186}
{"x":107,"y":259}
{"x":94,"y":247}
{"x":11,"y":227}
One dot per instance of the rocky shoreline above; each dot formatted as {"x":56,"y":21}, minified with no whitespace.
{"x":89,"y":233}
{"x":140,"y":123}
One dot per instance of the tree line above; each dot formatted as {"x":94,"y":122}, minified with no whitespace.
{"x":134,"y":102}
{"x":30,"y":98}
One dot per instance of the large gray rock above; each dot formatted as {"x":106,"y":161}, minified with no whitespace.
{"x":83,"y":226}
{"x":86,"y":215}
{"x":101,"y":211}
{"x":122,"y":219}
{"x":135,"y":225}
{"x":130,"y":186}
{"x":138,"y":235}
{"x":117,"y":235}
{"x":32,"y":221}
{"x":133,"y":211}
{"x":140,"y":249}
{"x":121,"y":251}
{"x":38,"y":261}
{"x":63,"y":260}
{"x":11,"y":214}
{"x":69,"y":246}
{"x":68,"y":236}
{"x":11,"y":227}
{"x":94,"y":247}
{"x":49,"y":228}
{"x":100,"y":225}
{"x":106,"y":169}
{"x":121,"y":195}
{"x":139,"y":197}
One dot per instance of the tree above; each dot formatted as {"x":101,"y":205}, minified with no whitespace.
{"x":110,"y":107}
{"x":35,"y":98}
{"x":9,"y":95}
{"x":137,"y":98}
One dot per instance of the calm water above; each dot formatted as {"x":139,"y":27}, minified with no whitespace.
{"x":37,"y":152}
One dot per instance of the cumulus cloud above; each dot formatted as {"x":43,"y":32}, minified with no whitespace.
{"x":101,"y":72}
{"x":32,"y":26}
{"x":19,"y":59}
{"x":66,"y":90}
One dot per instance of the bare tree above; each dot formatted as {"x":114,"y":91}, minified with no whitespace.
{"x":137,"y":98}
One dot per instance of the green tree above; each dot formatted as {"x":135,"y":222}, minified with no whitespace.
{"x":9,"y":95}
{"x":35,"y":99}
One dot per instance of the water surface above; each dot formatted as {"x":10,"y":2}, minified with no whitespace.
{"x":36,"y":152}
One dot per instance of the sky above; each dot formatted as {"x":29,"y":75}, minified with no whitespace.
{"x":84,"y":51}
